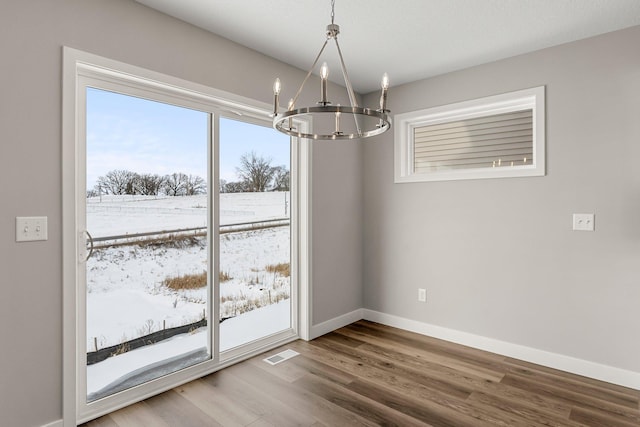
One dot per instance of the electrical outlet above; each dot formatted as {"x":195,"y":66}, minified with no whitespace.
{"x":422,"y":295}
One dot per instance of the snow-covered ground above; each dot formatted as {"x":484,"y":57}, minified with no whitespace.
{"x":233,"y":332}
{"x":125,"y":295}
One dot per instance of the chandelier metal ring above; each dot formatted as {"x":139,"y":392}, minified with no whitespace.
{"x":282,"y":122}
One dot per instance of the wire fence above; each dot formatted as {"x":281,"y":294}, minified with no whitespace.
{"x":98,"y":355}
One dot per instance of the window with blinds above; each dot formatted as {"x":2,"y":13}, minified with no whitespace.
{"x":499,"y":136}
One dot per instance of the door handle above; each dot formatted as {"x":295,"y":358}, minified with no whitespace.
{"x":90,"y":245}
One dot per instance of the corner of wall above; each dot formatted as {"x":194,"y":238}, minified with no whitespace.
{"x":335,"y":323}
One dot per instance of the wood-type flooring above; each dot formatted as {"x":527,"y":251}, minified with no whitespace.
{"x":367,"y":374}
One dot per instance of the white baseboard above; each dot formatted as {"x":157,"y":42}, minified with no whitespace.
{"x":335,"y":323}
{"x":552,"y":360}
{"x":58,"y":423}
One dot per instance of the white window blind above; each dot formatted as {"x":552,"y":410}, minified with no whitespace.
{"x":493,"y":137}
{"x":493,"y":141}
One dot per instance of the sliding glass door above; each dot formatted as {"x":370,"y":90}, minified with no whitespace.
{"x":147,"y":269}
{"x":181,"y":241}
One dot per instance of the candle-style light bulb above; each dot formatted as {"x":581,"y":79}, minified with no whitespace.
{"x":385,"y":86}
{"x":324,"y":71}
{"x":337,"y":132}
{"x":385,"y":81}
{"x":324,"y":75}
{"x":276,"y":95}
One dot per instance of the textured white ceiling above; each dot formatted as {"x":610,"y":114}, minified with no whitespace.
{"x":409,"y":39}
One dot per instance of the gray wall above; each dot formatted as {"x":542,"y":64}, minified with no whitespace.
{"x":32,"y":34}
{"x":337,"y":229}
{"x":497,"y":256}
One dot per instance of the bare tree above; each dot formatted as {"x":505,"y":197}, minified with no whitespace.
{"x":149,"y":184}
{"x":281,"y":178}
{"x":255,"y":171}
{"x":117,"y":181}
{"x":174,"y":184}
{"x":194,"y":184}
{"x":234,"y":187}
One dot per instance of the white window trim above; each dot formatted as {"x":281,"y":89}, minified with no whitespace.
{"x":78,"y":65}
{"x":405,"y":124}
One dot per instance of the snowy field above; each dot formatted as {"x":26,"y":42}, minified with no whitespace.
{"x":105,"y":214}
{"x":126,"y":297}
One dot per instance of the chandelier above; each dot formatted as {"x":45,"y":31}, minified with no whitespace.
{"x":335,"y":121}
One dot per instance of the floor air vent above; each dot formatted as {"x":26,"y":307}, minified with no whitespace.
{"x":280,"y":357}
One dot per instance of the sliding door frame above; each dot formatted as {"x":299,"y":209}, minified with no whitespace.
{"x":81,"y":69}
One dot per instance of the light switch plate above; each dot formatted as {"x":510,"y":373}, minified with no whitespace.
{"x":31,"y":228}
{"x":584,"y":222}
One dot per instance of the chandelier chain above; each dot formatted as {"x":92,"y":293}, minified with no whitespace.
{"x":333,"y":15}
